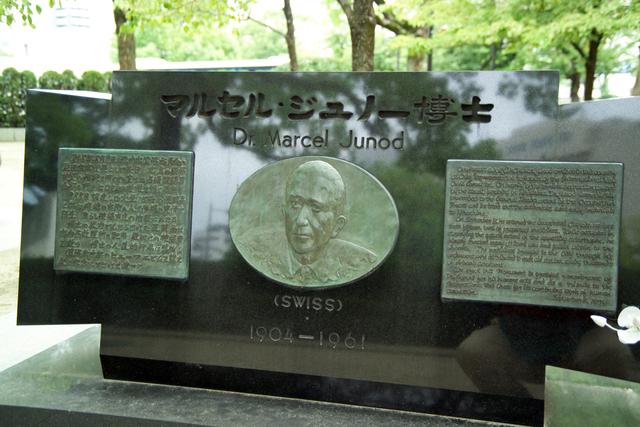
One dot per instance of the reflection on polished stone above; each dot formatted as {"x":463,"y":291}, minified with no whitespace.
{"x":230,"y":318}
{"x":63,"y":386}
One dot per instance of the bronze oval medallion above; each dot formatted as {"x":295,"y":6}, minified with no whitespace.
{"x":313,"y":222}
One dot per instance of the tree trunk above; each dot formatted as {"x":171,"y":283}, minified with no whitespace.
{"x":415,"y":62}
{"x":492,"y":59}
{"x":290,"y":37}
{"x":590,"y":64}
{"x":126,"y":41}
{"x":362,"y":26}
{"x":574,"y":77}
{"x":430,"y":54}
{"x":636,"y":87}
{"x":575,"y":86}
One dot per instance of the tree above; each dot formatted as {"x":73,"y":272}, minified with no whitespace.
{"x":582,"y":26}
{"x":481,"y":32}
{"x":392,"y":19}
{"x":132,"y":14}
{"x":635,"y":91}
{"x":169,"y":41}
{"x":126,"y":39}
{"x":362,"y":27}
{"x":567,"y":34}
{"x":289,"y":36}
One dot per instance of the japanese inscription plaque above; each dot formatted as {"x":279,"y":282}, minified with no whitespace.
{"x":124,"y":212}
{"x":543,"y":233}
{"x":330,"y":222}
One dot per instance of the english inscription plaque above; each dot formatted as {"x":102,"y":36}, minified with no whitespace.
{"x":542,"y":233}
{"x":124,"y":212}
{"x":313,"y":222}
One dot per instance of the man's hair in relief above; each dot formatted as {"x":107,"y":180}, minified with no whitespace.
{"x":318,"y":168}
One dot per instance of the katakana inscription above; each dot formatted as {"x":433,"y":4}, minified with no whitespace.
{"x":430,"y":110}
{"x":124,"y":212}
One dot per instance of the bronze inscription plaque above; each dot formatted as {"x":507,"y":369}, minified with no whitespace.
{"x":124,"y":212}
{"x":313,"y":222}
{"x":541,"y":233}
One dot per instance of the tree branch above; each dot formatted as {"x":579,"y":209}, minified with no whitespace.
{"x":275,"y":30}
{"x":599,"y":36}
{"x":291,"y":36}
{"x":346,"y":8}
{"x":577,"y":47}
{"x":393,"y":24}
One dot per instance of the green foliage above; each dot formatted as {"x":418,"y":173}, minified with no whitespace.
{"x":14,"y":86}
{"x":169,"y":41}
{"x":13,"y":96}
{"x":186,"y":16}
{"x":9,"y":103}
{"x":319,"y":65}
{"x":54,"y":80}
{"x":28,"y":80}
{"x":23,"y":8}
{"x":69,"y":80}
{"x":386,"y":57}
{"x":457,"y":23}
{"x":51,"y":80}
{"x":519,"y":34}
{"x":107,"y":75}
{"x":93,"y":81}
{"x":565,"y":28}
{"x":188,"y":13}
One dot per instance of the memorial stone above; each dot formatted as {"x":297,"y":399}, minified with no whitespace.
{"x":386,"y":338}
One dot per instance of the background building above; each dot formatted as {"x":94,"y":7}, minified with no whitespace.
{"x":75,"y":35}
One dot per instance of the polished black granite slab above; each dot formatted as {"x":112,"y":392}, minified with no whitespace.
{"x":63,"y":386}
{"x":474,"y":359}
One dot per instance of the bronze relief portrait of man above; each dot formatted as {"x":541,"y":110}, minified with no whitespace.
{"x":313,"y":222}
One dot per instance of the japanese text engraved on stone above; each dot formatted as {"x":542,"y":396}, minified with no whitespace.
{"x":542,"y":233}
{"x":313,"y":222}
{"x":124,"y":212}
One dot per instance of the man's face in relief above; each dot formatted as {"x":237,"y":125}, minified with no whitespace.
{"x":313,"y":208}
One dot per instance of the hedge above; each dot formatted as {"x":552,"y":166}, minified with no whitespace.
{"x":14,"y":85}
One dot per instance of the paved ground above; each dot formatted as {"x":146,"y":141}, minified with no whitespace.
{"x":11,"y":171}
{"x":17,"y":342}
{"x":8,"y":281}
